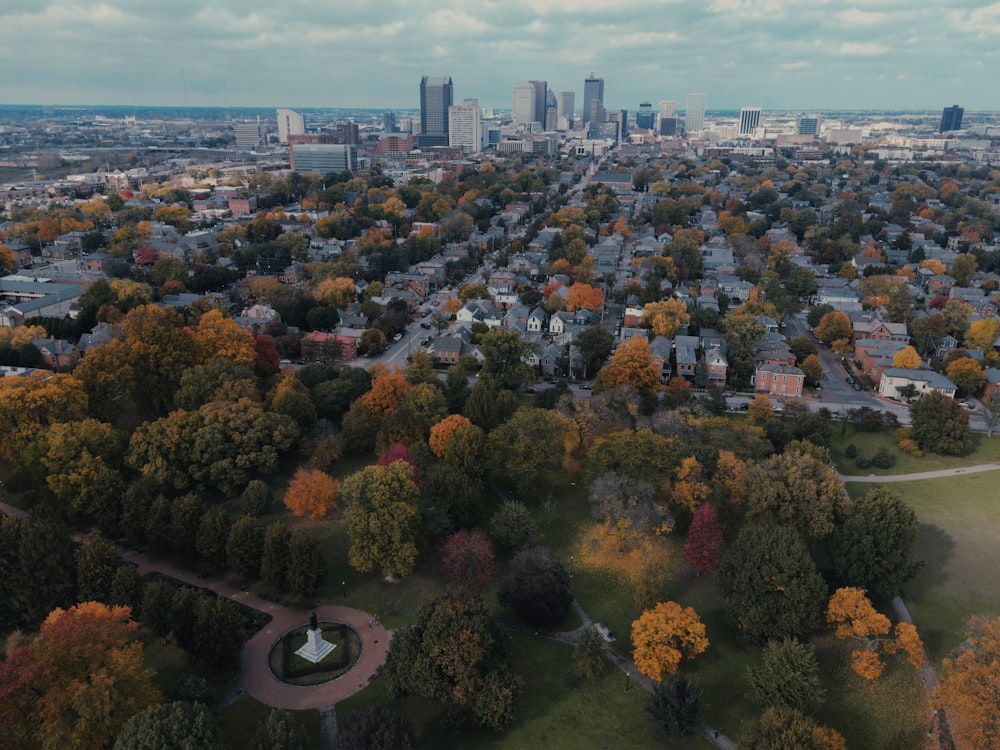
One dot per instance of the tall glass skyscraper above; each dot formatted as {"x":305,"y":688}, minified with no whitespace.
{"x":951,"y":118}
{"x":694,"y":113}
{"x":593,"y":88}
{"x":436,"y":95}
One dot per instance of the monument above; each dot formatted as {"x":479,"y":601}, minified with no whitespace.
{"x":315,"y":648}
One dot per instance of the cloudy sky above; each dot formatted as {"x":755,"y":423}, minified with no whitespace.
{"x":777,"y":54}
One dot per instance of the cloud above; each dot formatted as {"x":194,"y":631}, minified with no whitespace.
{"x":862,"y":49}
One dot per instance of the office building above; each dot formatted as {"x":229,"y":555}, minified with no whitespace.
{"x":523,"y":105}
{"x":436,"y":95}
{"x":597,"y":112}
{"x":323,"y":158}
{"x":389,"y":122}
{"x":290,"y":122}
{"x":808,"y":126}
{"x":668,"y":126}
{"x":644,"y":117}
{"x":593,"y":90}
{"x":464,"y":130}
{"x":349,"y":133}
{"x":623,"y":125}
{"x":749,"y":120}
{"x":694,"y":112}
{"x":668,"y":108}
{"x":565,"y":110}
{"x":551,"y":109}
{"x":951,"y":118}
{"x":249,"y":134}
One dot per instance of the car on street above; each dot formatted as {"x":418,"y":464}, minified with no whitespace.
{"x":397,"y":337}
{"x":968,"y":405}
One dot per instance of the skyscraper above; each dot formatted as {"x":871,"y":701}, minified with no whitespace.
{"x":593,"y":90}
{"x":523,"y":106}
{"x":565,"y":106}
{"x":290,"y":122}
{"x":951,"y":118}
{"x":668,"y":108}
{"x":389,"y":122}
{"x":694,"y":112}
{"x":749,"y":120}
{"x":808,"y":126}
{"x":435,"y":97}
{"x":464,"y":130}
{"x":644,"y":117}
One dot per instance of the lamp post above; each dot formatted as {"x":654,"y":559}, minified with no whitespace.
{"x":343,"y":586}
{"x":628,"y":684}
{"x":571,"y":566}
{"x":930,"y":730}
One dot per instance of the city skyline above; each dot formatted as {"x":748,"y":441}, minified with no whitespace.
{"x":776,"y":54}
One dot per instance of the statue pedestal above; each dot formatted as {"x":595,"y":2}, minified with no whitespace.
{"x":315,"y":648}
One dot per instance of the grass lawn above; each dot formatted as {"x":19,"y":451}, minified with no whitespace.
{"x":984,"y":450}
{"x":241,"y":719}
{"x":957,"y":538}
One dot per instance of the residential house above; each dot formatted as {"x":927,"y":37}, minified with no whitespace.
{"x":924,"y":381}
{"x":325,"y":347}
{"x":57,"y":354}
{"x":873,"y":327}
{"x":256,"y":318}
{"x":686,"y":355}
{"x":447,"y":349}
{"x":779,"y":380}
{"x":660,"y":349}
{"x":717,"y":366}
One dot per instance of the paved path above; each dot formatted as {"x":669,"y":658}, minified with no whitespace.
{"x":256,"y":678}
{"x":916,"y":476}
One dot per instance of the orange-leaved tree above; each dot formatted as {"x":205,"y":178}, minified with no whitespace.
{"x":387,"y":392}
{"x":969,"y":685}
{"x":584,"y":297}
{"x":664,"y":635}
{"x":855,"y":617}
{"x":311,"y":493}
{"x":664,"y":318}
{"x":690,"y":489}
{"x":631,"y":365}
{"x":441,"y":433}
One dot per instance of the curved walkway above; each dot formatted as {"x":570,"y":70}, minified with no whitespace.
{"x":918,"y":475}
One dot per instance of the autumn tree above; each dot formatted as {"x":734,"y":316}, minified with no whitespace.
{"x":703,"y":548}
{"x":386,"y":394}
{"x":982,"y":334}
{"x":292,"y":398}
{"x":781,"y":728}
{"x":78,"y":682}
{"x":311,"y":493}
{"x":536,"y":588}
{"x":664,"y":635}
{"x":455,"y":654}
{"x":664,"y":318}
{"x":906,"y":359}
{"x":873,"y":548}
{"x":631,"y":365}
{"x":967,"y":374}
{"x":82,"y":462}
{"x":690,"y":489}
{"x":584,"y":297}
{"x":629,"y":508}
{"x":854,"y":617}
{"x":467,"y":559}
{"x":770,"y":585}
{"x":760,"y":409}
{"x":968,"y":687}
{"x":383,"y":520}
{"x":813,"y":368}
{"x":219,"y":336}
{"x":787,"y":675}
{"x":940,"y":424}
{"x":834,"y":326}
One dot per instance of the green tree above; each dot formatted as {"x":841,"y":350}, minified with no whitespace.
{"x":375,"y":728}
{"x":675,"y":704}
{"x":967,"y":374}
{"x":512,"y":527}
{"x":536,"y":587}
{"x":770,"y":585}
{"x":455,"y":654}
{"x":244,"y":547}
{"x":306,"y":567}
{"x":505,"y":352}
{"x":963,"y":268}
{"x":218,"y":635}
{"x":588,"y":656}
{"x":212,"y":536}
{"x":97,"y":563}
{"x":488,"y":405}
{"x":742,"y":332}
{"x":274,"y":555}
{"x":44,"y":569}
{"x":383,"y":520}
{"x":280,"y":731}
{"x":594,"y":344}
{"x":256,"y":498}
{"x":940,"y":424}
{"x":787,"y":675}
{"x":169,"y":726}
{"x":873,"y":548}
{"x":527,"y":449}
{"x":784,"y":728}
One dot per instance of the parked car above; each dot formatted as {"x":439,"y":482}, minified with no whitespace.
{"x":397,"y":337}
{"x":968,"y":405}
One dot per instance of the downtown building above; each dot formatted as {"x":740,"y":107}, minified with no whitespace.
{"x":290,"y":122}
{"x":464,"y":126}
{"x":593,"y":91}
{"x":322,"y":158}
{"x":749,"y":121}
{"x":694,"y":112}
{"x":436,"y":96}
{"x":951,"y":118}
{"x":529,"y":102}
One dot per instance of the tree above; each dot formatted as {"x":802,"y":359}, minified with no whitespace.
{"x":441,"y":433}
{"x":244,"y":547}
{"x":306,"y":567}
{"x":291,"y":398}
{"x":373,"y":728}
{"x":588,"y":656}
{"x":967,"y":374}
{"x":212,"y":536}
{"x":631,"y":365}
{"x":97,"y":562}
{"x":455,"y":654}
{"x":584,"y":297}
{"x":802,"y":347}
{"x":664,"y":635}
{"x":169,"y":726}
{"x":982,"y":334}
{"x":42,"y":574}
{"x":382,"y":518}
{"x":372,"y":342}
{"x":872,"y":549}
{"x":536,"y":587}
{"x":906,"y":359}
{"x":689,"y":490}
{"x":505,"y":352}
{"x":256,"y":498}
{"x":781,"y":728}
{"x":629,"y":507}
{"x":512,"y":527}
{"x":488,"y":405}
{"x":770,"y":585}
{"x":78,"y":682}
{"x":274,"y":555}
{"x":386,"y":394}
{"x":594,"y":344}
{"x":813,"y":369}
{"x":787,"y":675}
{"x":311,"y":493}
{"x":703,"y":548}
{"x":675,"y":704}
{"x":834,"y":326}
{"x":664,"y":318}
{"x":855,"y":617}
{"x":968,"y":687}
{"x":527,"y":449}
{"x":218,"y":631}
{"x":220,"y":337}
{"x":760,"y":409}
{"x":963,"y":268}
{"x":940,"y":424}
{"x":467,"y":559}
{"x":280,"y":731}
{"x":742,"y":332}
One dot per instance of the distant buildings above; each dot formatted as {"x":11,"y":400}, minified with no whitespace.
{"x":389,"y":122}
{"x":436,"y":95}
{"x":808,"y":126}
{"x":529,"y":102}
{"x":593,"y":91}
{"x":565,"y":110}
{"x":668,"y":109}
{"x":694,"y":112}
{"x":644,"y":116}
{"x":951,"y":118}
{"x":249,"y":134}
{"x":749,"y":120}
{"x":323,"y":158}
{"x":290,"y":122}
{"x":464,"y":128}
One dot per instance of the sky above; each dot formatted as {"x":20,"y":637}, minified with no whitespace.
{"x":775,"y":54}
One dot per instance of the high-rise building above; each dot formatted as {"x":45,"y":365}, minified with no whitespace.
{"x":348,"y":132}
{"x":623,"y":125}
{"x":523,"y":105}
{"x":593,"y":90}
{"x":668,"y":108}
{"x":323,"y":158}
{"x":249,"y":134}
{"x":436,"y":95}
{"x":290,"y":122}
{"x":644,"y":117}
{"x":597,"y":112}
{"x":565,"y":106}
{"x":749,"y":120}
{"x":951,"y":118}
{"x":694,"y":112}
{"x":464,"y":130}
{"x":551,"y":109}
{"x":808,"y":126}
{"x":389,"y":122}
{"x":668,"y":126}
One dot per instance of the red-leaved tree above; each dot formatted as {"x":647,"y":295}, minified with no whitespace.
{"x":704,"y":540}
{"x":467,"y":559}
{"x":400,"y":452}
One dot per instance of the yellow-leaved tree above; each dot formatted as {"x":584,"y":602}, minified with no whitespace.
{"x":855,"y":617}
{"x":664,"y":318}
{"x":968,"y":687}
{"x":311,"y":493}
{"x":906,"y":359}
{"x":631,"y":365}
{"x":664,"y":635}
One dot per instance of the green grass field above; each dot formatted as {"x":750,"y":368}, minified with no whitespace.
{"x":957,"y":538}
{"x":984,"y":450}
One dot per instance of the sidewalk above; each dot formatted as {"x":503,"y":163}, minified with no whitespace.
{"x":916,"y":476}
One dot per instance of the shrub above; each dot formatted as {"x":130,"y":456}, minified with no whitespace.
{"x":256,"y":498}
{"x":884,"y":458}
{"x":862,"y":461}
{"x":911,"y":447}
{"x":851,"y":451}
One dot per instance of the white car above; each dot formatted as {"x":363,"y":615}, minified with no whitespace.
{"x":968,"y":405}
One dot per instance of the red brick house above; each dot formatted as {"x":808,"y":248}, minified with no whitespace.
{"x":779,"y":380}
